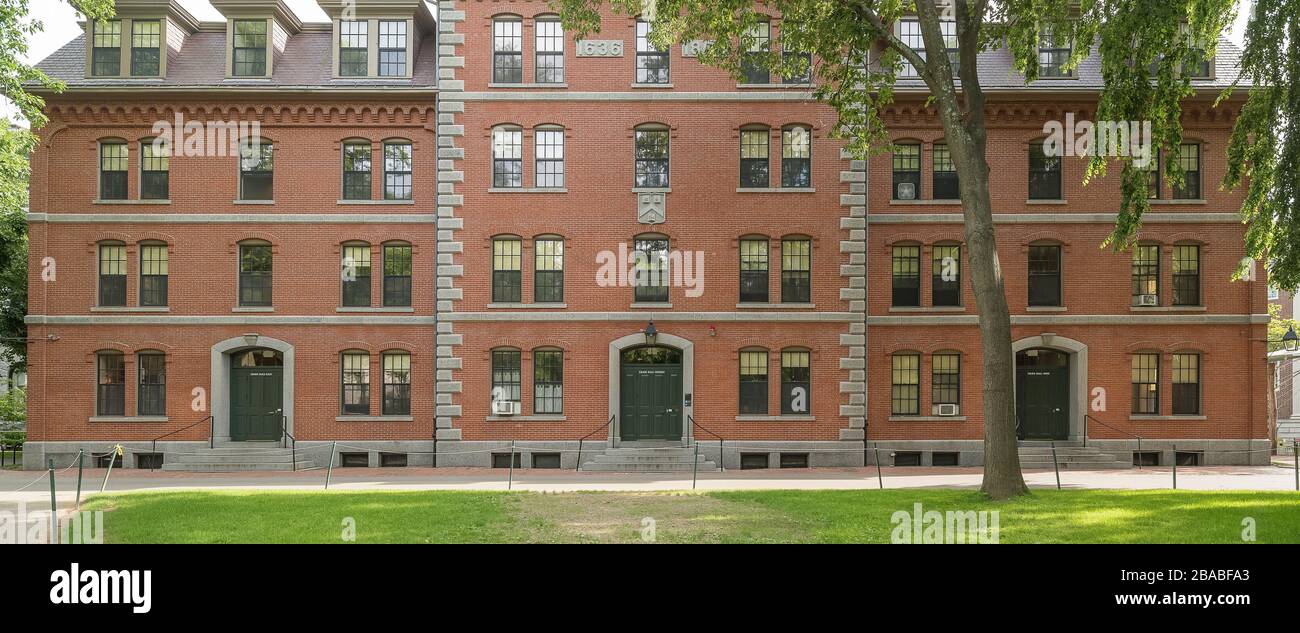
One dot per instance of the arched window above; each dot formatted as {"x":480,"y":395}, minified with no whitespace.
{"x":907,"y":170}
{"x":113,"y":166}
{"x":112,"y":275}
{"x":355,"y":382}
{"x":549,"y":156}
{"x":1146,"y":383}
{"x":506,"y":378}
{"x":755,"y":163}
{"x":398,"y":165}
{"x":549,"y":64}
{"x":796,"y":269}
{"x":548,"y":381}
{"x":1189,"y":162}
{"x":651,"y":274}
{"x":154,"y":271}
{"x":1146,"y":275}
{"x":257,"y":170}
{"x":905,"y":380}
{"x":1187,"y":383}
{"x":151,"y":390}
{"x":548,"y":269}
{"x":507,"y":50}
{"x":754,"y":269}
{"x":753,"y":381}
{"x":945,"y":185}
{"x":945,"y":383}
{"x":507,"y":157}
{"x":255,"y":274}
{"x":945,"y":274}
{"x":796,"y":157}
{"x":651,"y":150}
{"x":1045,"y":274}
{"x":507,"y":269}
{"x":397,"y":383}
{"x":1044,"y":173}
{"x":796,"y":381}
{"x":155,"y":166}
{"x":356,"y":274}
{"x":1187,"y":274}
{"x":356,"y":169}
{"x":110,"y":391}
{"x":397,"y":275}
{"x":906,"y":275}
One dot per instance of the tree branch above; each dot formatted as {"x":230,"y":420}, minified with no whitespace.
{"x":868,"y":14}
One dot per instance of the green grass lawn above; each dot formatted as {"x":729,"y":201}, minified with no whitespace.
{"x":1091,"y":516}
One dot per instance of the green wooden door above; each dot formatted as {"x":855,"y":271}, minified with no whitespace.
{"x":651,"y":393}
{"x":1043,"y":395}
{"x":256,"y":403}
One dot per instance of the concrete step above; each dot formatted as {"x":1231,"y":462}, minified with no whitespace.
{"x":224,"y":467}
{"x":647,"y":459}
{"x":1078,"y":465}
{"x":642,"y":467}
{"x":232,"y":459}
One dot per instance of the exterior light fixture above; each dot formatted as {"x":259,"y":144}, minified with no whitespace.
{"x":1290,"y":340}
{"x":651,"y":334}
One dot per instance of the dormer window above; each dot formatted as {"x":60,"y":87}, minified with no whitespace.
{"x":353,"y":47}
{"x":373,"y":48}
{"x":250,"y":48}
{"x":1054,"y":51}
{"x":106,"y":56}
{"x":392,"y":48}
{"x":132,"y":47}
{"x":146,"y":49}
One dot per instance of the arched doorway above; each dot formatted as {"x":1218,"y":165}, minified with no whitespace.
{"x":256,"y":395}
{"x":650,"y":405}
{"x":1043,"y":379}
{"x":230,"y":355}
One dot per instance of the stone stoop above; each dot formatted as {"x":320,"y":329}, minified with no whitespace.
{"x":660,"y":459}
{"x":1070,"y":457}
{"x":234,"y":459}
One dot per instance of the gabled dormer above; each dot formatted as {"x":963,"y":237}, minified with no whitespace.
{"x":137,"y":42}
{"x":256,"y":31}
{"x":376,"y":39}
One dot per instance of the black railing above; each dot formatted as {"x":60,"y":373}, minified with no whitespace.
{"x":584,"y":438}
{"x":288,"y":441}
{"x":1087,"y":417}
{"x":153,"y":445}
{"x":701,"y":427}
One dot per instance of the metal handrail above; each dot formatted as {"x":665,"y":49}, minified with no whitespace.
{"x":153,"y":445}
{"x":583,"y":439}
{"x":721,"y":454}
{"x":1087,"y":417}
{"x":292,"y":442}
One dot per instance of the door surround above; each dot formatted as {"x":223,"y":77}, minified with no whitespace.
{"x":664,"y":339}
{"x":219,"y":396}
{"x":1078,"y":353}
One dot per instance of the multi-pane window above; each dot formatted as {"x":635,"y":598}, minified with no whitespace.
{"x":397,"y":275}
{"x":1146,"y":384}
{"x":397,"y":383}
{"x":254,"y":275}
{"x":796,"y":382}
{"x":754,"y":163}
{"x":113,"y":165}
{"x":356,"y":171}
{"x":651,"y":61}
{"x":945,"y":380}
{"x":909,"y":32}
{"x":945,"y":174}
{"x":397,"y":171}
{"x":754,"y":271}
{"x":1044,"y":174}
{"x":507,"y":157}
{"x":506,"y":375}
{"x":507,"y":270}
{"x":948,"y":30}
{"x":1045,"y":275}
{"x":146,"y":49}
{"x":508,"y":51}
{"x":355,"y":379}
{"x":753,"y":382}
{"x":549,"y":157}
{"x":548,"y":381}
{"x":796,"y":271}
{"x":151,"y":391}
{"x":753,"y":70}
{"x":651,"y":158}
{"x":153,"y":275}
{"x":906,"y":384}
{"x":906,"y":276}
{"x":803,"y":74}
{"x":256,"y":170}
{"x":356,"y":275}
{"x":1189,"y":160}
{"x":1187,"y":384}
{"x":112,"y":275}
{"x":110,"y":393}
{"x":1146,"y":274}
{"x":250,"y":48}
{"x":548,"y":271}
{"x":392,"y":48}
{"x":907,"y":171}
{"x":1053,"y":52}
{"x":946,"y":275}
{"x":1187,"y":275}
{"x":550,"y":51}
{"x":1153,"y":176}
{"x":651,"y":270}
{"x":106,"y":54}
{"x":796,"y":157}
{"x":155,"y":165}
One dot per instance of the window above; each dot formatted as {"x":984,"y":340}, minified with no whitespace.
{"x":550,"y":51}
{"x":1045,"y":275}
{"x":254,"y":275}
{"x":909,"y":32}
{"x":945,"y":174}
{"x":354,"y":460}
{"x":753,"y":382}
{"x":753,"y":271}
{"x":946,"y":275}
{"x":1053,"y":53}
{"x":1187,"y":275}
{"x":250,"y":48}
{"x":802,"y":61}
{"x":356,"y":275}
{"x":945,"y":459}
{"x":1146,"y":384}
{"x":794,"y":460}
{"x":548,"y":271}
{"x":651,"y":158}
{"x":110,"y":395}
{"x":906,"y":382}
{"x":550,"y":158}
{"x":256,"y":170}
{"x":153,"y":275}
{"x":112,"y":170}
{"x":151,"y":461}
{"x":796,"y":271}
{"x":507,"y":270}
{"x":945,"y":380}
{"x":548,"y":461}
{"x":112,"y":275}
{"x":155,"y":159}
{"x":507,"y":51}
{"x":1187,"y":384}
{"x":392,"y":460}
{"x":907,"y":458}
{"x":907,"y":276}
{"x":397,"y":383}
{"x":1189,"y":159}
{"x":754,"y":163}
{"x":392,"y":48}
{"x":796,"y":382}
{"x":948,"y":30}
{"x":397,"y":171}
{"x":650,"y":262}
{"x":907,"y":171}
{"x":146,"y":51}
{"x":503,"y":460}
{"x":548,"y":381}
{"x":1146,"y":458}
{"x":753,"y":70}
{"x":1274,"y":294}
{"x":507,"y":157}
{"x":506,"y":375}
{"x":106,"y":54}
{"x":355,"y":383}
{"x":151,"y":396}
{"x":1153,"y":176}
{"x":651,"y":61}
{"x":397,"y":275}
{"x":356,"y":171}
{"x":1146,"y":274}
{"x":1044,"y":174}
{"x":753,"y":461}
{"x":796,"y":157}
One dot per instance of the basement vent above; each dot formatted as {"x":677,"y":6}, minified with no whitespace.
{"x":1146,"y":458}
{"x":945,"y":459}
{"x":102,"y":461}
{"x":1188,"y":458}
{"x":354,"y":460}
{"x":546,"y":460}
{"x":502,"y":460}
{"x":907,"y":458}
{"x":152,"y":461}
{"x":794,"y":460}
{"x":753,"y":461}
{"x":392,"y":460}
